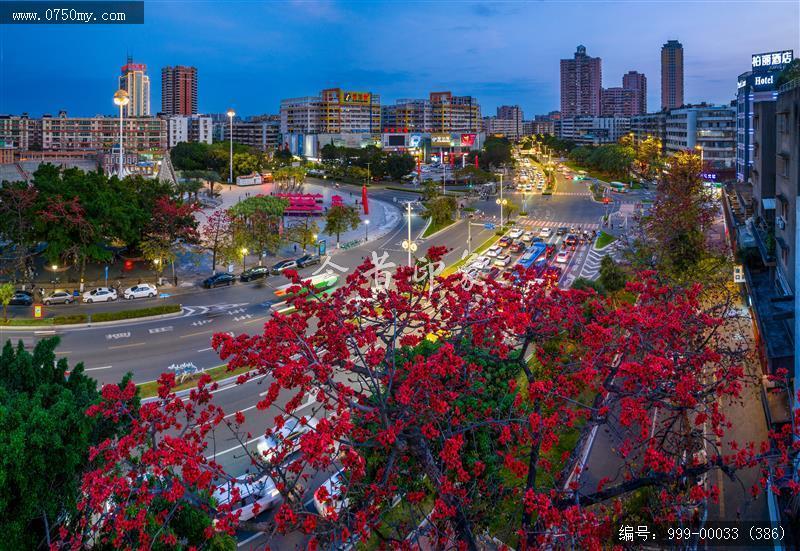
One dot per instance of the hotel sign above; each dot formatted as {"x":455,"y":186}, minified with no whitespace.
{"x":440,"y":139}
{"x":772,"y":60}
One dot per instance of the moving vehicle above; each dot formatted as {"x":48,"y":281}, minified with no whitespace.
{"x":515,"y":233}
{"x":328,"y":498}
{"x":527,"y":237}
{"x":101,"y":294}
{"x":494,"y":251}
{"x":58,"y":297}
{"x":517,"y":247}
{"x":222,"y":278}
{"x":546,"y":232}
{"x":562,"y":230}
{"x":562,"y":256}
{"x":257,"y":272}
{"x":21,"y":298}
{"x":308,"y":260}
{"x":320,"y":283}
{"x":618,"y":187}
{"x":533,"y":253}
{"x":505,"y":241}
{"x":502,"y":261}
{"x":255,"y":495}
{"x":279,"y":267}
{"x":285,"y":439}
{"x":571,"y":240}
{"x":142,"y":290}
{"x":481,"y":263}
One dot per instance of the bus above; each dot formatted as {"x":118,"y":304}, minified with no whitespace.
{"x":618,"y":187}
{"x":532,"y":255}
{"x":320,"y":283}
{"x":580,"y":175}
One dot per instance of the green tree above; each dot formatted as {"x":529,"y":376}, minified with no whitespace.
{"x":341,"y":218}
{"x":474,"y":175}
{"x":44,"y":442}
{"x":496,"y":152}
{"x":612,"y":277}
{"x":303,"y":233}
{"x":6,"y":294}
{"x":245,"y":163}
{"x":398,"y":165}
{"x":256,"y":223}
{"x":440,"y":210}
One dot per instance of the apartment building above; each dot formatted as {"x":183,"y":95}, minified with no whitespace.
{"x":197,"y":128}
{"x":451,"y":113}
{"x":711,"y":128}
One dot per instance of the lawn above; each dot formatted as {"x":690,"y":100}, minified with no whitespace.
{"x":603,"y":240}
{"x":150,"y":388}
{"x":453,"y":268}
{"x":604,"y":176}
{"x":433,"y":228}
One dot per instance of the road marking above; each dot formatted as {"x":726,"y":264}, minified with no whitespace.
{"x":115,"y":336}
{"x":251,"y":538}
{"x":240,"y":411}
{"x":97,"y":368}
{"x":160,"y":329}
{"x":234,"y":448}
{"x":126,"y":345}
{"x":194,"y":334}
{"x":255,"y":320}
{"x":52,"y":332}
{"x":206,"y":349}
{"x":201,"y":322}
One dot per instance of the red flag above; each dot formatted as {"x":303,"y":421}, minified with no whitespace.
{"x":476,"y":161}
{"x":364,"y":199}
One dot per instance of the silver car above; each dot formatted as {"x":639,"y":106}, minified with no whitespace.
{"x":58,"y":297}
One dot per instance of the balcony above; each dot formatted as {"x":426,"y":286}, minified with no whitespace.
{"x":764,"y":234}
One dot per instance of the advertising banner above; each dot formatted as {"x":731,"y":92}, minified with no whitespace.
{"x":468,"y":140}
{"x":440,"y":139}
{"x":771,"y":61}
{"x":354,"y":97}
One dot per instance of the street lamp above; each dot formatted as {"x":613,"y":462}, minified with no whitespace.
{"x":409,"y":245}
{"x":121,"y":99}
{"x":501,"y":201}
{"x":244,"y":257}
{"x":231,"y":114}
{"x":366,"y":230}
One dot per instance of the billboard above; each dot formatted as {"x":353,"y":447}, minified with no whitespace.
{"x":414,"y":140}
{"x":440,"y":139}
{"x":468,"y":140}
{"x":397,"y":140}
{"x":355,"y":97}
{"x":771,"y":61}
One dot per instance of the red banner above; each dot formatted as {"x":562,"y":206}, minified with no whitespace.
{"x":364,"y":199}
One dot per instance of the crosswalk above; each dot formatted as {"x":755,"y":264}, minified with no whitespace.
{"x":552,"y":223}
{"x":573,"y":193}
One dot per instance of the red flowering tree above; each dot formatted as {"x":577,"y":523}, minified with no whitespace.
{"x":463,"y":402}
{"x":172,"y":223}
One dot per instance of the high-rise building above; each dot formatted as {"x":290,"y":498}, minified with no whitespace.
{"x":671,"y":75}
{"x":135,"y":81}
{"x":616,"y":102}
{"x":451,"y":113}
{"x":179,"y":90}
{"x":334,"y":111}
{"x":189,"y":128}
{"x":637,"y":83}
{"x":261,"y":132}
{"x":581,"y":80}
{"x":753,"y":87}
{"x":408,"y":115}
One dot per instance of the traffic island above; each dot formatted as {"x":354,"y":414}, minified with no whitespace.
{"x":104,"y":318}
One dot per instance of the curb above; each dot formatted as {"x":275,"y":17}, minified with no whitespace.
{"x":90,"y":324}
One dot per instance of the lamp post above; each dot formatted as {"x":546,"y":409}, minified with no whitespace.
{"x":121,"y":99}
{"x":501,"y":201}
{"x":244,"y":258}
{"x":231,"y":114}
{"x":409,"y":245}
{"x":366,"y":230}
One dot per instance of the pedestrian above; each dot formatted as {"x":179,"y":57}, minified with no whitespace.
{"x":295,"y":247}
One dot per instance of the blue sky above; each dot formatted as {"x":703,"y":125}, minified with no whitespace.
{"x":251,"y":54}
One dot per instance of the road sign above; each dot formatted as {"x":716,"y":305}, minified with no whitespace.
{"x":322,"y":247}
{"x":738,"y":273}
{"x":489,"y":226}
{"x":37,"y":311}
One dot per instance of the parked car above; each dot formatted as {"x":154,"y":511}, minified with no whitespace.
{"x":546,"y":232}
{"x":494,"y":251}
{"x":502,"y":261}
{"x":308,"y":260}
{"x":58,"y":297}
{"x":21,"y":298}
{"x":256,"y":272}
{"x":562,"y":256}
{"x":331,"y":499}
{"x":142,"y":290}
{"x":101,"y":294}
{"x":222,"y":278}
{"x":285,"y":438}
{"x":255,"y":495}
{"x":279,"y":267}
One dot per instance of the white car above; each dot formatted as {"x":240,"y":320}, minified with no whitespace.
{"x":101,"y":294}
{"x":546,"y":232}
{"x":142,"y":290}
{"x":527,"y":237}
{"x":562,"y":257}
{"x":494,"y":251}
{"x":515,"y":233}
{"x":261,"y":491}
{"x":285,"y":438}
{"x":480,"y":263}
{"x":502,"y":261}
{"x":331,"y":500}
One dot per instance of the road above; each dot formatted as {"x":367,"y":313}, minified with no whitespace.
{"x":146,"y":348}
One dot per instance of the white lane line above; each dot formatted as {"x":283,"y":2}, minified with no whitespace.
{"x":251,"y":538}
{"x":97,"y":368}
{"x":126,"y":345}
{"x":52,"y":332}
{"x":206,"y":349}
{"x":240,"y":411}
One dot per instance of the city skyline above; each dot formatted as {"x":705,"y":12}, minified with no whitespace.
{"x":500,"y":63}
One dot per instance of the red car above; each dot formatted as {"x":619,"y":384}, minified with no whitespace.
{"x":517,"y":247}
{"x":504,"y":241}
{"x":550,"y":251}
